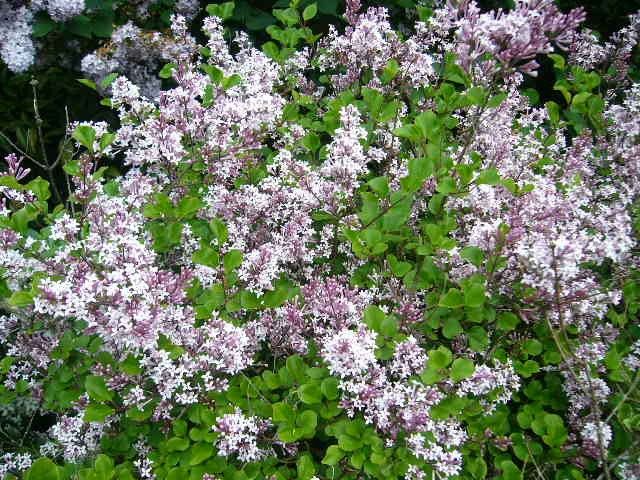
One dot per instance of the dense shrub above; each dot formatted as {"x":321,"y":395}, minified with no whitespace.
{"x":373,"y":253}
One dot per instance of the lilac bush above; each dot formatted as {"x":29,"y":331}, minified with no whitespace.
{"x":372,"y":254}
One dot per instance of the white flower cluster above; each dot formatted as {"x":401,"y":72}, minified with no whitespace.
{"x":17,"y":48}
{"x":138,"y":55}
{"x":239,"y":436}
{"x":75,"y":438}
{"x":350,"y":353}
{"x":346,"y":159}
{"x":485,"y":380}
{"x":597,"y":433}
{"x":14,"y":463}
{"x":59,"y":10}
{"x":446,"y":462}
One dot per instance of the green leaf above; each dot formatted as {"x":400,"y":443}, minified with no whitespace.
{"x":532,"y":347}
{"x":374,"y":317}
{"x":206,"y":256}
{"x":349,"y":443}
{"x":177,"y":473}
{"x":310,"y":393}
{"x":429,"y":124}
{"x":219,"y":229}
{"x":510,"y":471}
{"x":97,"y":412}
{"x":380,"y":185}
{"x":558,"y":61}
{"x":474,"y":255}
{"x":10,"y":181}
{"x":21,"y":218}
{"x":399,"y":269}
{"x":43,"y":469}
{"x":477,"y":467}
{"x":178,"y":444}
{"x":80,"y":25}
{"x":390,"y":71}
{"x":277,"y":297}
{"x":167,"y":70}
{"x":451,"y":328}
{"x":271,"y":50}
{"x":288,"y":433}
{"x":474,"y":295}
{"x":490,"y":176}
{"x":20,"y":299}
{"x":554,"y":112}
{"x":88,"y":83}
{"x":462,"y":368}
{"x":476,"y":95}
{"x":287,"y":16}
{"x":420,"y":168}
{"x":389,"y":326}
{"x":104,"y":465}
{"x":97,"y":388}
{"x":222,"y":10}
{"x":232,"y":260}
{"x":271,"y":380}
{"x":452,"y":299}
{"x":42,"y":26}
{"x":410,"y":132}
{"x":296,"y":367}
{"x":497,"y":100}
{"x":232,"y":81}
{"x":283,"y":412}
{"x":102,"y":24}
{"x":307,"y":421}
{"x":507,"y":321}
{"x":199,"y":453}
{"x":556,"y":433}
{"x":440,"y":358}
{"x":305,"y":466}
{"x":478,"y":338}
{"x":180,"y":428}
{"x":310,"y":12}
{"x":188,"y":207}
{"x":213,"y":297}
{"x":329,"y":388}
{"x":106,"y":140}
{"x":109,"y":79}
{"x":447,"y":185}
{"x":85,"y":135}
{"x":333,"y":455}
{"x":533,"y":95}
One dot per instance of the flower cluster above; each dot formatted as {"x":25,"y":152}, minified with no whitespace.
{"x":138,"y":55}
{"x":238,"y":435}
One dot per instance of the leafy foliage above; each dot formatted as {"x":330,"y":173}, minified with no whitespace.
{"x":360,"y":254}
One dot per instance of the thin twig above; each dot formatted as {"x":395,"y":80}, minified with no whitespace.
{"x":39,"y":121}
